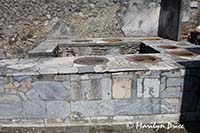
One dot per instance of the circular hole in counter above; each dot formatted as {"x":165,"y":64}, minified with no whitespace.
{"x":151,"y":38}
{"x":184,"y":53}
{"x":91,"y":61}
{"x":144,"y":59}
{"x":167,"y":47}
{"x":86,"y":40}
{"x":112,"y":39}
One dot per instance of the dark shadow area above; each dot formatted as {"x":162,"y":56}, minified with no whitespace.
{"x":146,"y":49}
{"x":190,"y":107}
{"x":194,"y":50}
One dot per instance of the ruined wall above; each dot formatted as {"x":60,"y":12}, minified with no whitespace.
{"x":23,"y":22}
{"x":141,"y":17}
{"x":190,"y":18}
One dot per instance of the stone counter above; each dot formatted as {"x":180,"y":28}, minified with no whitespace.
{"x":86,"y":96}
{"x":59,"y":91}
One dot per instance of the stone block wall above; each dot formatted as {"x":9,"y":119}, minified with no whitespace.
{"x":98,"y":50}
{"x":79,"y":96}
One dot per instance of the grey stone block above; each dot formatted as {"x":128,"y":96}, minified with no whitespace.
{"x":94,"y":108}
{"x":21,"y":78}
{"x":34,"y":110}
{"x":170,"y":105}
{"x":136,"y":18}
{"x":148,"y":88}
{"x":137,"y":106}
{"x":171,"y":92}
{"x":9,"y":98}
{"x":1,"y":85}
{"x":96,"y":89}
{"x":91,"y":90}
{"x":84,"y":69}
{"x":173,"y":82}
{"x":44,"y":49}
{"x":66,"y":70}
{"x":33,"y":95}
{"x":10,"y":110}
{"x":75,"y":91}
{"x":106,"y":86}
{"x":58,"y":109}
{"x":96,"y":76}
{"x":51,"y":90}
{"x":134,"y":89}
{"x":75,"y":77}
{"x":66,"y":84}
{"x":10,"y":106}
{"x":172,"y":73}
{"x":59,"y":78}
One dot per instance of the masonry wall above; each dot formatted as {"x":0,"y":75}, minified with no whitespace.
{"x":91,"y":95}
{"x":190,"y":19}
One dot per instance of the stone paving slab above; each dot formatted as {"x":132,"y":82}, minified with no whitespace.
{"x":136,"y":106}
{"x":47,"y":48}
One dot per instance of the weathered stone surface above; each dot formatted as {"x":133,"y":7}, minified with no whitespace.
{"x":10,"y":86}
{"x":134,"y":88}
{"x":137,"y":106}
{"x":136,"y":19}
{"x":44,"y":49}
{"x":171,"y":92}
{"x":1,"y":85}
{"x":85,"y":69}
{"x":9,"y":98}
{"x":2,"y":54}
{"x":21,"y":78}
{"x":148,"y":87}
{"x":121,"y":88}
{"x":51,"y":90}
{"x":91,"y":90}
{"x":76,"y":91}
{"x":106,"y":87}
{"x":63,"y":69}
{"x":173,"y":82}
{"x":172,"y":73}
{"x":25,"y":86}
{"x":59,"y":77}
{"x":186,"y":4}
{"x":10,"y":106}
{"x":85,"y":77}
{"x":34,"y":109}
{"x":94,"y":108}
{"x":170,"y":106}
{"x":9,"y":110}
{"x":58,"y":109}
{"x":33,"y":95}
